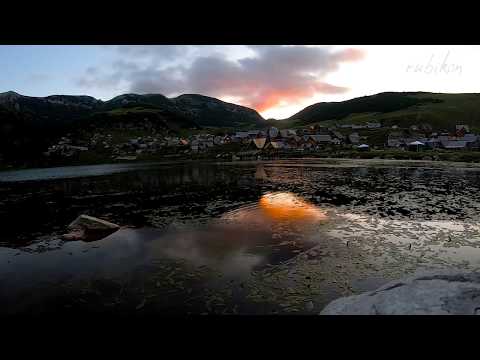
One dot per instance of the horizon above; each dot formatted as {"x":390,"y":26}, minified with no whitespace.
{"x":277,"y":81}
{"x":277,"y":119}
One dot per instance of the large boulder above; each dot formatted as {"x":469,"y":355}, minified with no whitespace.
{"x":89,"y":228}
{"x":432,"y":294}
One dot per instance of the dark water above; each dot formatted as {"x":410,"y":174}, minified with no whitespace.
{"x":225,"y":233}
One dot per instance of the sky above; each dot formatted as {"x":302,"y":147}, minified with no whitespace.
{"x":277,"y":81}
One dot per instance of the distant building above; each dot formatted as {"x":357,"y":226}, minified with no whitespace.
{"x":373,"y":125}
{"x":321,"y":139}
{"x":354,"y":138}
{"x":469,"y":138}
{"x":260,"y":142}
{"x":466,"y":128}
{"x":432,"y":143}
{"x":454,"y":144}
{"x":359,"y":126}
{"x":241,"y":134}
{"x":273,"y":132}
{"x":338,"y":134}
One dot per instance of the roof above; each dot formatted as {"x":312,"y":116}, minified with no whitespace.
{"x":241,"y":134}
{"x":454,"y":144}
{"x":277,"y":144}
{"x":469,"y":137}
{"x":321,"y":138}
{"x":260,"y":142}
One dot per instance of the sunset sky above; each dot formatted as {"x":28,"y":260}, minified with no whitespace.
{"x":276,"y":80}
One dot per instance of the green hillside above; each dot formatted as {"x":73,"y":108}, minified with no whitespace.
{"x":440,"y":111}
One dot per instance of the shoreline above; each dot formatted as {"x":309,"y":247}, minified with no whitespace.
{"x":467,"y":157}
{"x":119,"y":167}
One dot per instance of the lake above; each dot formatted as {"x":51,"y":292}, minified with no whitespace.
{"x":272,"y":237}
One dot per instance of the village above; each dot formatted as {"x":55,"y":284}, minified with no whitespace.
{"x":271,"y":141}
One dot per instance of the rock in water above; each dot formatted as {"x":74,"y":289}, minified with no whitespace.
{"x":89,"y":228}
{"x":433,"y":294}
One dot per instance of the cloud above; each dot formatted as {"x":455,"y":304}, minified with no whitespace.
{"x":264,"y":77}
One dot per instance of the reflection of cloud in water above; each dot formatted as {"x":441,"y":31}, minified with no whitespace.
{"x":233,"y":243}
{"x":223,"y":247}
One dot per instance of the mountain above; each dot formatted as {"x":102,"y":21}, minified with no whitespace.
{"x":28,"y":124}
{"x":208,"y":111}
{"x":440,"y":111}
{"x":203,"y":110}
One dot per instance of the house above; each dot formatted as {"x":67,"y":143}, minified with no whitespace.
{"x":432,"y":143}
{"x":321,"y":139}
{"x":273,"y":132}
{"x":241,"y":134}
{"x":292,"y":143}
{"x":373,"y":125}
{"x":415,"y":145}
{"x":454,"y":144}
{"x":338,"y":135}
{"x":394,"y":142}
{"x":354,"y":138}
{"x":260,"y":142}
{"x":465,"y":128}
{"x":277,"y":144}
{"x":287,"y":133}
{"x":468,"y":138}
{"x":358,"y":127}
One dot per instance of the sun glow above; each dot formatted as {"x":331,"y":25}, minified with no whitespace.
{"x":287,"y":206}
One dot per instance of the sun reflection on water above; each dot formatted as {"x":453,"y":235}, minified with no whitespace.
{"x":287,"y":206}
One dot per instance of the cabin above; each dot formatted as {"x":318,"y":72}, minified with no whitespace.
{"x":273,"y":132}
{"x":321,"y":139}
{"x":260,"y":142}
{"x":454,"y":144}
{"x":358,"y":127}
{"x":373,"y":125}
{"x":354,"y":138}
{"x":464,"y":128}
{"x":338,"y":135}
{"x":415,"y":145}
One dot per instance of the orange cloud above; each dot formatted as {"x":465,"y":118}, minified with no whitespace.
{"x":274,"y":97}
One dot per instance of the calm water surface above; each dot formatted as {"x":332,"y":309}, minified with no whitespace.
{"x":324,"y":222}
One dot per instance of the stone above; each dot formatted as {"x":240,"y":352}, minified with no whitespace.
{"x":89,"y":228}
{"x":444,"y":293}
